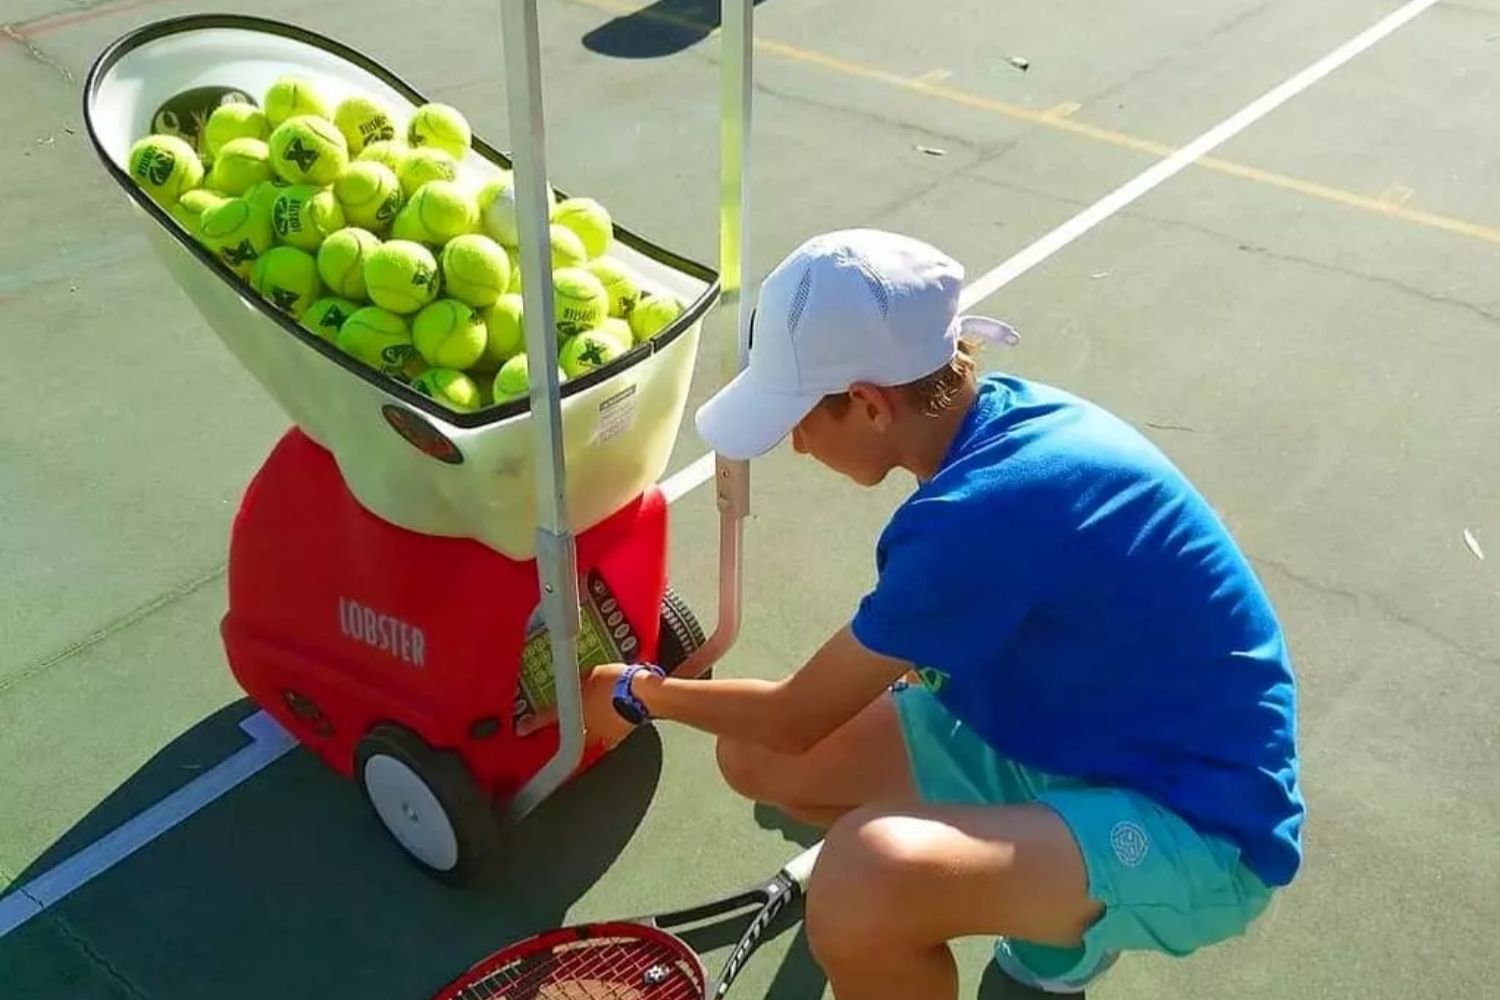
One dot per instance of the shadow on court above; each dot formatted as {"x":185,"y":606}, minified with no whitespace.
{"x":289,"y":886}
{"x":663,"y":29}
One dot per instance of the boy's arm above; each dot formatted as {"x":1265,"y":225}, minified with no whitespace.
{"x":788,"y":715}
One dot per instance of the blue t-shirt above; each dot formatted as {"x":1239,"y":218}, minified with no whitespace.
{"x":1071,"y":597}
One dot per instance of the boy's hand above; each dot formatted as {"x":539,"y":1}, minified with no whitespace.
{"x":600,"y":720}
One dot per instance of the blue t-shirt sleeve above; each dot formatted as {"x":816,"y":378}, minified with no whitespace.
{"x":952,"y":588}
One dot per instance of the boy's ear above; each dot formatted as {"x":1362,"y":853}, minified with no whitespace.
{"x":875,"y":403}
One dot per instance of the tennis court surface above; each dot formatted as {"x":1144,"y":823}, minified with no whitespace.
{"x":1306,"y":321}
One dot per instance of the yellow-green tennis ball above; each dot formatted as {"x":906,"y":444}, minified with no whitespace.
{"x":390,"y":152}
{"x":401,"y":276}
{"x":363,"y":121}
{"x":590,"y":221}
{"x":440,"y":126}
{"x":308,"y":150}
{"x":188,"y":210}
{"x":497,"y":209}
{"x":513,"y":379}
{"x":341,"y":261}
{"x":588,"y":350}
{"x":234,"y":121}
{"x":327,"y":316}
{"x":165,"y":167}
{"x":617,"y":330}
{"x":652,"y":315}
{"x":622,"y":284}
{"x":291,"y":96}
{"x":436,"y":213}
{"x":515,"y":269}
{"x":304,"y":216}
{"x":240,"y":166}
{"x":475,"y":269}
{"x":449,"y":334}
{"x":378,"y":338}
{"x":288,"y":278}
{"x":579,"y":300}
{"x":505,"y":335}
{"x":423,"y":166}
{"x":567,"y":249}
{"x":452,"y":388}
{"x":237,"y":231}
{"x":265,"y":193}
{"x":370,"y":193}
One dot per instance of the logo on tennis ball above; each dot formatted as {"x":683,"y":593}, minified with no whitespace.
{"x":284,"y":298}
{"x":388,"y":208}
{"x":242,"y":252}
{"x":932,"y":680}
{"x":592,"y":354}
{"x":334,"y":317}
{"x":159,"y":164}
{"x":395,"y":355}
{"x":423,"y":278}
{"x":284,"y":215}
{"x":303,"y":156}
{"x":421,"y":435}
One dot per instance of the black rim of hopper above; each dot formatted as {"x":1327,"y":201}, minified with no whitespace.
{"x":493,"y":414}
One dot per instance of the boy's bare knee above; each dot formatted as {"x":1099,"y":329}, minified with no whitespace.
{"x":743,"y":768}
{"x":862,"y":890}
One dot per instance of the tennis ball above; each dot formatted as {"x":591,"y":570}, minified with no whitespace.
{"x":401,"y":276}
{"x":370,"y":194}
{"x":580,"y":301}
{"x":378,"y":338}
{"x":391,"y":152}
{"x":288,"y":277}
{"x":303,"y":216}
{"x":449,"y":334}
{"x":513,"y":379}
{"x":590,"y":221}
{"x":617,"y":330}
{"x":436,"y":213}
{"x":452,"y":388}
{"x":188,"y":210}
{"x":265,"y":193}
{"x":327,"y":316}
{"x":588,"y":350}
{"x":497,"y":209}
{"x":422,"y":166}
{"x":341,"y":261}
{"x":622,"y":284}
{"x":291,"y":96}
{"x":240,"y":166}
{"x":165,"y":167}
{"x":474,"y":268}
{"x":653,"y":314}
{"x":363,"y":121}
{"x":440,"y":126}
{"x":308,"y":150}
{"x":568,"y":250}
{"x":234,"y":121}
{"x":237,"y":231}
{"x":515,"y":269}
{"x":505,"y":337}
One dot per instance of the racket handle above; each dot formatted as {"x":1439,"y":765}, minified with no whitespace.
{"x":800,"y":868}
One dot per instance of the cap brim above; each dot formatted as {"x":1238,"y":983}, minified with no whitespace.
{"x":744,"y":421}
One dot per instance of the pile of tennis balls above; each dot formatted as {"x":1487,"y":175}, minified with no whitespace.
{"x":376,"y":238}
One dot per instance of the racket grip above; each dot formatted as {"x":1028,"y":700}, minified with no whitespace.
{"x":800,"y":868}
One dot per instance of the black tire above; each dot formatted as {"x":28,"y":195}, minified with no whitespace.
{"x":681,"y":635}
{"x":461,"y":837}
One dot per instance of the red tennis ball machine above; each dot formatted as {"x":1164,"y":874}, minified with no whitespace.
{"x":413,"y":590}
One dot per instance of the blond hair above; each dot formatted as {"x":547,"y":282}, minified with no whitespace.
{"x":934,"y":393}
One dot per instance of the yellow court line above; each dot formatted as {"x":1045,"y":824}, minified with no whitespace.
{"x":1051,"y":119}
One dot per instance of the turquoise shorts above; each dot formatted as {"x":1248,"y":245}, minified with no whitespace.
{"x":1164,"y":886}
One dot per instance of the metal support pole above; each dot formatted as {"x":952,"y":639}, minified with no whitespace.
{"x":732,"y":479}
{"x":557,"y":569}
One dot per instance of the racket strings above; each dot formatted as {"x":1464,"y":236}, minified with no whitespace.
{"x":611,"y":968}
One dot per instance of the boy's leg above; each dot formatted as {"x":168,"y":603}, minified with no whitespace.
{"x":863,"y":762}
{"x":892,"y":887}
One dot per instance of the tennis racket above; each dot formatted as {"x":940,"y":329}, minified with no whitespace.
{"x":640,"y":959}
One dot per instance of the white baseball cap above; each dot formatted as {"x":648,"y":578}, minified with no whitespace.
{"x":858,"y":305}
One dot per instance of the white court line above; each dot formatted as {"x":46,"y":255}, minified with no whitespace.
{"x":268,"y":743}
{"x":271,"y":742}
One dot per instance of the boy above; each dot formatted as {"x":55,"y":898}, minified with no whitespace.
{"x":1100,"y":755}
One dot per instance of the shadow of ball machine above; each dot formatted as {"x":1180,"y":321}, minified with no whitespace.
{"x":404,"y":579}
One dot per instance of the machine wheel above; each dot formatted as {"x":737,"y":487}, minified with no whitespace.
{"x":681,"y":634}
{"x":427,"y":801}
